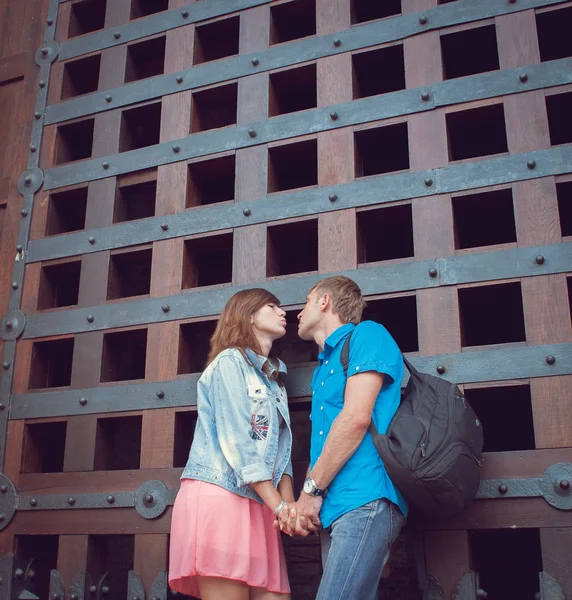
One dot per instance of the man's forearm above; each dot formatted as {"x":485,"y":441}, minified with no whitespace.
{"x":343,"y":440}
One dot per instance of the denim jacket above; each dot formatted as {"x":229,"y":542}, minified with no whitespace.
{"x":238,"y":438}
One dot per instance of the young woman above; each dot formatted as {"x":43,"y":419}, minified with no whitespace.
{"x":238,"y":477}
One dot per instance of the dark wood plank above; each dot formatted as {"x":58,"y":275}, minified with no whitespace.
{"x":550,"y":406}
{"x":79,"y":452}
{"x":72,"y":556}
{"x":97,"y":481}
{"x":14,"y":67}
{"x":150,"y":557}
{"x":447,"y":557}
{"x":556,"y":551}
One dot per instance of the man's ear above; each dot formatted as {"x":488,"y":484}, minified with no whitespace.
{"x":324,"y":302}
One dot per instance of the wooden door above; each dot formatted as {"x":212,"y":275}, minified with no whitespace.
{"x":160,"y":154}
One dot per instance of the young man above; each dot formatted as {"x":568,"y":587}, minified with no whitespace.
{"x":347,"y":488}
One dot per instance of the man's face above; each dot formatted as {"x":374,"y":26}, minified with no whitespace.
{"x":309,"y":317}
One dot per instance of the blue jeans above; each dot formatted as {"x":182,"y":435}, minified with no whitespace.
{"x":355,"y":549}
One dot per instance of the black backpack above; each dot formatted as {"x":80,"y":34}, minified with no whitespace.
{"x":433,"y":444}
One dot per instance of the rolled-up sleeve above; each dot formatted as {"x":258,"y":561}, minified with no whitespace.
{"x":232,"y":416}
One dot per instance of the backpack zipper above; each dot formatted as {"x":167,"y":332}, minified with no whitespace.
{"x":422,"y":446}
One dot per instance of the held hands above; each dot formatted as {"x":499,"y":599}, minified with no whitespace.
{"x":300,"y":518}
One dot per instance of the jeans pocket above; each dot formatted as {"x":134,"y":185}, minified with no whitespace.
{"x":396,"y":522}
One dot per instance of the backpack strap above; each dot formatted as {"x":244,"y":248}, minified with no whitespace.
{"x":345,"y":361}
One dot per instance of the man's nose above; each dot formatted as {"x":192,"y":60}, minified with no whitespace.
{"x":299,"y":315}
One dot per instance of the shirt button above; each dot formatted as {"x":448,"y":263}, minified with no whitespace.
{"x":357,"y":368}
{"x":332,"y":371}
{"x":322,"y":383}
{"x":327,"y":362}
{"x":321,"y":408}
{"x":321,"y":433}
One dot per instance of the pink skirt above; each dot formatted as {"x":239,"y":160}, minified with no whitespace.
{"x":219,"y":534}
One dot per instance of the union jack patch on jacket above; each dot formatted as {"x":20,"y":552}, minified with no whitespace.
{"x":259,"y":427}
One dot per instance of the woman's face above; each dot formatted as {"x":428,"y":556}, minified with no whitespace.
{"x":269,"y":321}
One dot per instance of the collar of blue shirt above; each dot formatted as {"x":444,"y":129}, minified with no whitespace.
{"x":336,"y":337}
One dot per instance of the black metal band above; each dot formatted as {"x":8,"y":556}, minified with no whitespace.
{"x":465,"y":367}
{"x":376,"y":279}
{"x":369,"y":34}
{"x":446,"y":93}
{"x":152,"y":25}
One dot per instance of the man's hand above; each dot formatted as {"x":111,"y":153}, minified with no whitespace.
{"x":306,"y":518}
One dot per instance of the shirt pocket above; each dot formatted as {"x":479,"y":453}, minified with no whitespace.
{"x":334,"y":387}
{"x":260,"y":404}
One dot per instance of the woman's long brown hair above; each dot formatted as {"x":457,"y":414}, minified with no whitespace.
{"x":234,"y":329}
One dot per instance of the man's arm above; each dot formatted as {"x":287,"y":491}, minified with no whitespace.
{"x":346,"y":434}
{"x":349,"y":428}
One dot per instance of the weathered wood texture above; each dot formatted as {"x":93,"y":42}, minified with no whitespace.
{"x":107,"y":454}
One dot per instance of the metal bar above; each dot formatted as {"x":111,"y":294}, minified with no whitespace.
{"x":376,"y":279}
{"x":511,"y":488}
{"x":30,"y":181}
{"x":499,"y":364}
{"x":76,"y":501}
{"x":375,"y":108}
{"x":154,"y":24}
{"x":369,"y":34}
{"x":365,"y":192}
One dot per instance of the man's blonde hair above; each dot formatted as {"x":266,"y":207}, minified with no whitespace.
{"x":347,"y":301}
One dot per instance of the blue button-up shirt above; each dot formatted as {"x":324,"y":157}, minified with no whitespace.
{"x":363,"y":478}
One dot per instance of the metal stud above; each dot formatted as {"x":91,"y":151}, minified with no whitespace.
{"x":33,"y":502}
{"x":255,"y":61}
{"x":550,"y":360}
{"x":2,"y":406}
{"x":337,"y":42}
{"x":90,"y":318}
{"x":37,"y":115}
{"x":15,"y":286}
{"x":531,"y":164}
{"x":428,"y":181}
{"x":44,"y":51}
{"x":56,"y":596}
{"x":423,"y":20}
{"x":165,"y":308}
{"x":184,"y":13}
{"x":332,"y":197}
{"x":110,"y":499}
{"x":24,"y":212}
{"x":19,"y":248}
{"x":564,"y":484}
{"x":252,"y":133}
{"x":2,"y":517}
{"x":116,"y":35}
{"x":105,"y":590}
{"x":28,"y":179}
{"x":160,"y":394}
{"x":441,"y":369}
{"x":91,"y":240}
{"x":334,"y":116}
{"x":42,"y":83}
{"x":512,"y":1}
{"x":105,"y":164}
{"x":4,"y":489}
{"x":523,"y":77}
{"x":179,"y":79}
{"x":18,"y":573}
{"x":108,"y":98}
{"x":83,"y":401}
{"x":246,"y":212}
{"x":71,"y":500}
{"x":176,"y":148}
{"x":148,"y":498}
{"x":33,"y":147}
{"x":432,"y":272}
{"x":164,"y":226}
{"x":31,"y":574}
{"x":539,"y":259}
{"x":482,"y":594}
{"x":50,"y":21}
{"x":503,"y":488}
{"x":425,"y":96}
{"x":5,"y":366}
{"x":73,"y":597}
{"x":136,"y":598}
